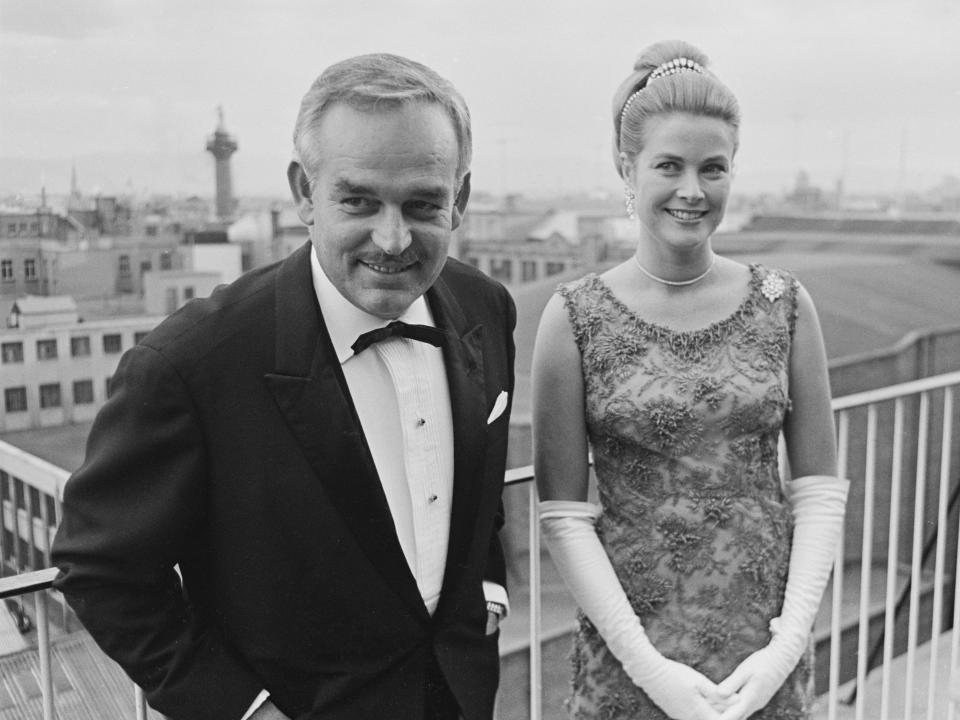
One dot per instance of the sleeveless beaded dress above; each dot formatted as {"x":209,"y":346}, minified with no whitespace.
{"x":684,"y":427}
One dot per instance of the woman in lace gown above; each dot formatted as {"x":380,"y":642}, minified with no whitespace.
{"x":699,"y":573}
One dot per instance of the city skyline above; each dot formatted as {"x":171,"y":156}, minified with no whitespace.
{"x":866,"y":92}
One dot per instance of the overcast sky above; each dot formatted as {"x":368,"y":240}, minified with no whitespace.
{"x":127,"y":91}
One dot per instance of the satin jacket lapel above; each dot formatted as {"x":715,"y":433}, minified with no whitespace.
{"x":309,"y":388}
{"x":463,"y":358}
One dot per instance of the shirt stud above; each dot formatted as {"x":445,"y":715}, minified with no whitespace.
{"x":432,"y":498}
{"x":421,"y":422}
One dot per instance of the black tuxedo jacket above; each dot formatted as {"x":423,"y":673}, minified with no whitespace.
{"x":230,"y":450}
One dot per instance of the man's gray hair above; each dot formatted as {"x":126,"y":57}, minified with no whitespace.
{"x":368,"y":81}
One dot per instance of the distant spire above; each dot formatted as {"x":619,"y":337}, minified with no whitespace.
{"x":43,"y":197}
{"x":222,"y":145}
{"x":74,"y":189}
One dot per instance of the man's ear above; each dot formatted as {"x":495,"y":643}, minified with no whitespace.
{"x":460,"y":202}
{"x":300,"y":189}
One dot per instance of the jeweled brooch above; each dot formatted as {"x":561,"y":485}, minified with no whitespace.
{"x":772,"y":286}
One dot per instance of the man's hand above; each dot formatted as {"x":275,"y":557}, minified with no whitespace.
{"x":268,"y":711}
{"x":493,"y":622}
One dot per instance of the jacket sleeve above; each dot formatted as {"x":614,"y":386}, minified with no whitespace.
{"x":131,"y":513}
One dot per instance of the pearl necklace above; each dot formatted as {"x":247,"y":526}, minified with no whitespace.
{"x":676,"y":283}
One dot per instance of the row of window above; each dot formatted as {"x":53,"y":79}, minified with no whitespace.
{"x":12,"y":352}
{"x":13,"y":229}
{"x":123,"y":264}
{"x":123,"y":267}
{"x":15,"y":398}
{"x":502,"y":269}
{"x":29,"y":270}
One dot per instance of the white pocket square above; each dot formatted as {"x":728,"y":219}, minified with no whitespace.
{"x":499,"y":406}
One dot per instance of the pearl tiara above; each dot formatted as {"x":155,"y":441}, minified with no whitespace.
{"x":671,"y":67}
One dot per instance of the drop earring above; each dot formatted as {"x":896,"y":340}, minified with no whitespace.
{"x":629,"y":201}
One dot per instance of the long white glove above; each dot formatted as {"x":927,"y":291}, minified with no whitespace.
{"x":818,"y":506}
{"x":680,"y":691}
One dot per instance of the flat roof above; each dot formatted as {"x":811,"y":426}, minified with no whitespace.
{"x":865,"y":301}
{"x":63,"y":445}
{"x":45,"y":304}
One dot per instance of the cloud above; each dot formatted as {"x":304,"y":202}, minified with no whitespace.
{"x":92,"y":76}
{"x":75,"y":20}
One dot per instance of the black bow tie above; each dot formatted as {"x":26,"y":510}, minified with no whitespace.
{"x":423,"y":333}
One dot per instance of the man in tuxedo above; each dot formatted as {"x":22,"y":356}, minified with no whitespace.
{"x":289,"y":506}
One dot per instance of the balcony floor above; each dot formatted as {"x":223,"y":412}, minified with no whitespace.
{"x":11,"y":640}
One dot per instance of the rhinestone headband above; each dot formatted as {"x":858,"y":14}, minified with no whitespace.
{"x":671,"y":67}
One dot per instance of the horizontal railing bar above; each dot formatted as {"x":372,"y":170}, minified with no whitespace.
{"x":27,"y":582}
{"x":894,"y":391}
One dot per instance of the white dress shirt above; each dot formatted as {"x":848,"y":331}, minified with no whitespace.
{"x":399,"y":388}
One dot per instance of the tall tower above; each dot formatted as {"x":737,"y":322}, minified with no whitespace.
{"x":75,"y":202}
{"x":222,"y":145}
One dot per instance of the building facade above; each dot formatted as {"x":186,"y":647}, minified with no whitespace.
{"x":60,"y":373}
{"x":84,"y":251}
{"x":515,"y":249}
{"x":166,"y":291}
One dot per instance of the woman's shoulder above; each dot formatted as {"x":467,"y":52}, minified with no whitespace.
{"x":583,"y":304}
{"x":579,"y":292}
{"x":578,"y":285}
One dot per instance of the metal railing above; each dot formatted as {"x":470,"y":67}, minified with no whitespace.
{"x":910,"y":401}
{"x":871,"y":403}
{"x":921,"y":393}
{"x":36,"y":583}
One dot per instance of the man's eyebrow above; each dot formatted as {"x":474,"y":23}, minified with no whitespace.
{"x":348,"y":188}
{"x":436,"y":193}
{"x":431,"y":192}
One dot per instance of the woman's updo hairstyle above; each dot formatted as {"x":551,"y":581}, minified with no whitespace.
{"x":685,"y":90}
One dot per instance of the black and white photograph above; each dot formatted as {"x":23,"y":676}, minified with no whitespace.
{"x":466,"y":360}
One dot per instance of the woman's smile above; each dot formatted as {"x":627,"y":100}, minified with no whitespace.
{"x":686,"y":215}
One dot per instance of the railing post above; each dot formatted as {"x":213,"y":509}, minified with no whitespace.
{"x":938,"y":570}
{"x":866,"y":559}
{"x":45,"y":519}
{"x":893,"y":539}
{"x":17,"y":537}
{"x":536,"y":671}
{"x":953,"y":678}
{"x":58,"y":513}
{"x":43,"y":649}
{"x":916,"y":559}
{"x":31,"y":538}
{"x":836,"y":632}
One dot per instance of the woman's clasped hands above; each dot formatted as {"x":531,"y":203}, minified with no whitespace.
{"x":685,"y":694}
